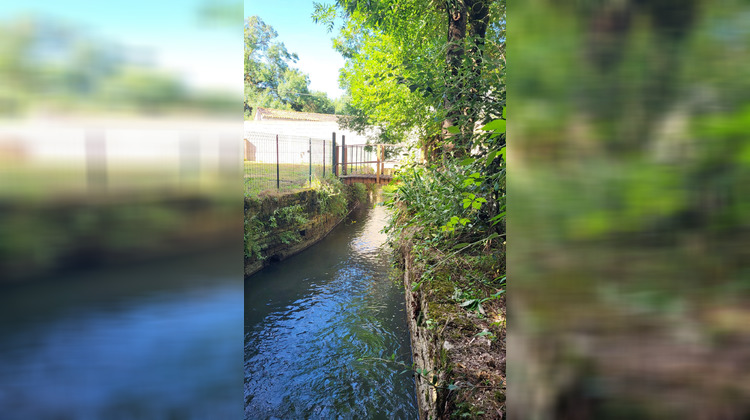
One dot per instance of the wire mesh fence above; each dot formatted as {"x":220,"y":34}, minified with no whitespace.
{"x":284,"y":163}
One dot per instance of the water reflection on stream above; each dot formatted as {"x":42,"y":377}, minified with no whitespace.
{"x":152,"y":341}
{"x":310,"y":318}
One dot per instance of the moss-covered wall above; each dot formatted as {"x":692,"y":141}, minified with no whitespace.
{"x":458,"y":354}
{"x":425,"y":345}
{"x":277,"y":227}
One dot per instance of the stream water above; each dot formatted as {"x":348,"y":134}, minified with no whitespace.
{"x":321,"y":328}
{"x":149,"y":341}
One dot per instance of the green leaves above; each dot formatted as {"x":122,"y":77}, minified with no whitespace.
{"x":474,"y":179}
{"x":473,"y":201}
{"x":497,"y":218}
{"x":270,"y":81}
{"x":467,"y":161}
{"x":395,"y":70}
{"x":494,"y":154}
{"x":495,"y":125}
{"x":451,"y":225}
{"x":416,"y":286}
{"x":489,"y":334}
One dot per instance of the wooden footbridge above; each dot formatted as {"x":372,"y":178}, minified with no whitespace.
{"x":367,"y":164}
{"x":366,"y":179}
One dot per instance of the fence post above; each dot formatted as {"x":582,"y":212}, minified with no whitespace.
{"x":343,"y":153}
{"x":334,"y":156}
{"x":277,"y":162}
{"x":309,"y":171}
{"x":324,"y":158}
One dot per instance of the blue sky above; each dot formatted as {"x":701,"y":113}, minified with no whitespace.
{"x":292,"y":20}
{"x":206,"y":56}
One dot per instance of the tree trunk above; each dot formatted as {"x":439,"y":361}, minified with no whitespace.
{"x":465,"y":18}
{"x":479,"y":19}
{"x":457,"y":19}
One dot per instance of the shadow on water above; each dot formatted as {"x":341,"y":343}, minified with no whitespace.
{"x":310,"y":318}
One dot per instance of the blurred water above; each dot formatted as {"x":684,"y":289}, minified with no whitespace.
{"x":148,"y":342}
{"x":310,"y":318}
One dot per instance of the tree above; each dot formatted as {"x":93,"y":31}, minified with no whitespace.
{"x":266,"y":62}
{"x":319,"y":102}
{"x":270,"y":81}
{"x":82,"y":71}
{"x":394,"y":72}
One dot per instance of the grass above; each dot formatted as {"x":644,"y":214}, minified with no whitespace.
{"x":261,"y":177}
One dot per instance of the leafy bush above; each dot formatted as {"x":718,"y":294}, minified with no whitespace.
{"x":333,"y":198}
{"x":331,"y":195}
{"x":457,"y":201}
{"x":357,"y":193}
{"x":254,"y":233}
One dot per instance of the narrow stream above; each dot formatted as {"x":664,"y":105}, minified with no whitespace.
{"x":320,"y":328}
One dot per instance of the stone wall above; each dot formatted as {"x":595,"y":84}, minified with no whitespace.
{"x":460,"y":372}
{"x":288,"y":237}
{"x":426,"y":353}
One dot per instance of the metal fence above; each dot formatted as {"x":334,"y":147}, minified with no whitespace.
{"x":277,"y":162}
{"x":282,"y":163}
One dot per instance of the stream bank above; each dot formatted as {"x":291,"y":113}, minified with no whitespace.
{"x":279,"y":226}
{"x":458,"y":349}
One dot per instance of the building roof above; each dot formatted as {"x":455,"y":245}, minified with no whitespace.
{"x":284,"y":115}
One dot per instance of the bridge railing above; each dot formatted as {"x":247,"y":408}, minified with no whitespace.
{"x":378,"y":160}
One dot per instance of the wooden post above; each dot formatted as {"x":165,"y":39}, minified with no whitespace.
{"x":343,"y":153}
{"x":377,"y":164}
{"x":382,"y":159}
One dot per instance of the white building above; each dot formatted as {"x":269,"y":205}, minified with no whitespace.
{"x":292,"y":125}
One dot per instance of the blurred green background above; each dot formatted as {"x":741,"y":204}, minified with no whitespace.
{"x":627,"y":212}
